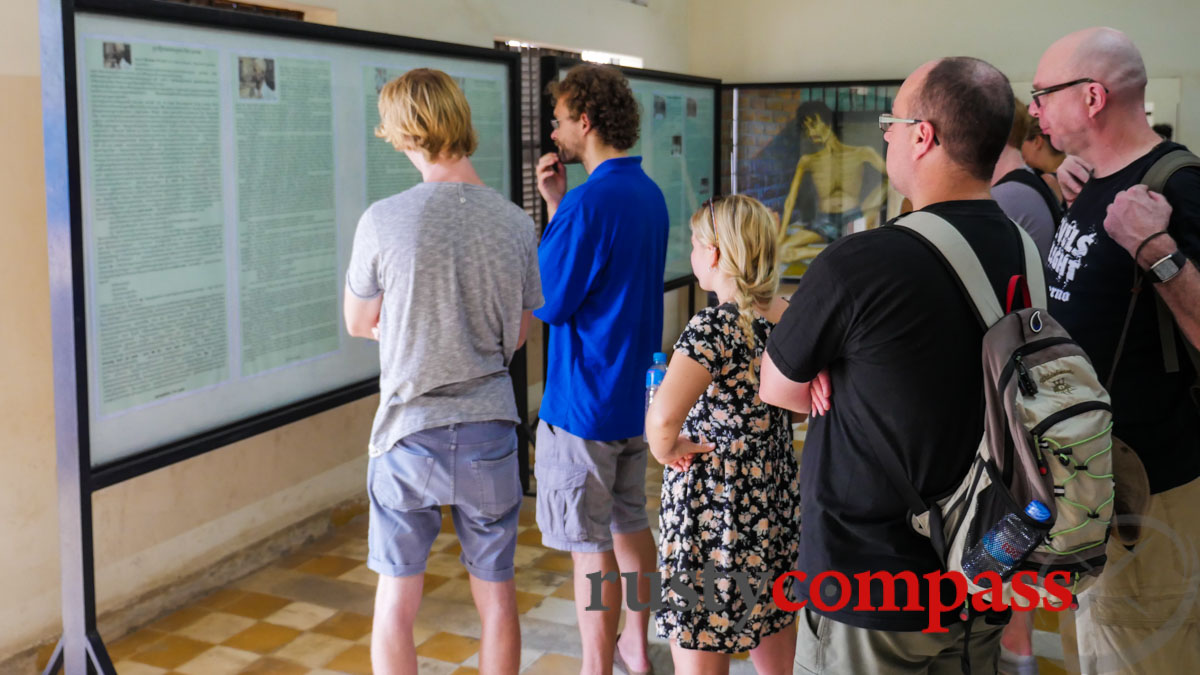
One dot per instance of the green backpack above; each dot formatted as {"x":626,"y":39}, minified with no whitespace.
{"x":1047,"y":433}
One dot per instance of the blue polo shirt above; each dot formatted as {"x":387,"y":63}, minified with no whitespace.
{"x":602,"y":258}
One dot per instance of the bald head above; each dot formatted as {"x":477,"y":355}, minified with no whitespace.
{"x":1106,"y":55}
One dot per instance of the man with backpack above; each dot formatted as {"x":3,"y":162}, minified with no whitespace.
{"x":1135,"y":223}
{"x":883,"y":312}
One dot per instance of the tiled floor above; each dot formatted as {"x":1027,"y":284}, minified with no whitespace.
{"x":311,"y":613}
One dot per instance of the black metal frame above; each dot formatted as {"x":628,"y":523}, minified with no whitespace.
{"x":796,"y":85}
{"x":81,"y":649}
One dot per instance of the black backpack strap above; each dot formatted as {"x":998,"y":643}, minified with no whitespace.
{"x":897,"y":475}
{"x":1134,"y":292}
{"x":1033,"y":180}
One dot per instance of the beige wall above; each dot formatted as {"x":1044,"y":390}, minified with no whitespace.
{"x":164,"y":526}
{"x":657,"y":33}
{"x":160,"y":527}
{"x":786,"y":40}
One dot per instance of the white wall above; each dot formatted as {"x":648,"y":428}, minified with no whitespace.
{"x":807,"y":40}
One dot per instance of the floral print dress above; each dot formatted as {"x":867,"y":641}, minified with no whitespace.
{"x":737,"y":507}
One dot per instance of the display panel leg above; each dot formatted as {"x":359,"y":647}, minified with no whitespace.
{"x":56,"y":659}
{"x":96,"y":658}
{"x":518,"y":369}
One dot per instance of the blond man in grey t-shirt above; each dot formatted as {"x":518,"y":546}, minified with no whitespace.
{"x":445,"y":276}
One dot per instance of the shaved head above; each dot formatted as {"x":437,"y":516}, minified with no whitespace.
{"x":1104,"y":54}
{"x":1095,"y":106}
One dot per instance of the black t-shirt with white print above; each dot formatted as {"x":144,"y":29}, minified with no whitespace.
{"x":1089,"y":277}
{"x":882,"y":312}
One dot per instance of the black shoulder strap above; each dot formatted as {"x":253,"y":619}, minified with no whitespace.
{"x":1039,"y":184}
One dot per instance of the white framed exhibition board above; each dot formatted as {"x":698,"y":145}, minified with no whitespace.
{"x":222,"y":171}
{"x":680,"y":118}
{"x":205,"y":173}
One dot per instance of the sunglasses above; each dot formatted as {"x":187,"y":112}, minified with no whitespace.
{"x":1036,"y":94}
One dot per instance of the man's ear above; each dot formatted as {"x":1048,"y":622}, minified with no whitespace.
{"x":923,"y":140}
{"x":585,"y":123}
{"x":1095,"y":98}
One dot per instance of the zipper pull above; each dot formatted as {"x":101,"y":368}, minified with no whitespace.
{"x":1025,"y":381}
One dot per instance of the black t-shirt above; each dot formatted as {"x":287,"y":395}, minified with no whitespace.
{"x":882,"y":312}
{"x":1089,"y":276}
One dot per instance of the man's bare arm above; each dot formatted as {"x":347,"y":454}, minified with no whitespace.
{"x":1138,"y":213}
{"x":362,"y":316}
{"x":776,"y":389}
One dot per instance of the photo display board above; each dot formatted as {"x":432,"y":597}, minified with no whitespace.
{"x":223,"y":174}
{"x":678,"y":146}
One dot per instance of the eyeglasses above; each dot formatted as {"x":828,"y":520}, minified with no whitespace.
{"x":554,"y":123}
{"x":886,"y":121}
{"x":1038,"y":93}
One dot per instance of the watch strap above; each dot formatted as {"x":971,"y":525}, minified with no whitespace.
{"x":1177,"y":258}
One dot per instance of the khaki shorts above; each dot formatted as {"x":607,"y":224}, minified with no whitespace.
{"x":1143,"y":613}
{"x":828,"y":647}
{"x":587,"y":490}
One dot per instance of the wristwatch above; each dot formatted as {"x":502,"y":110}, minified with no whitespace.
{"x":1167,"y":267}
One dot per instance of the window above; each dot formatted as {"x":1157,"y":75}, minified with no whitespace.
{"x":531,"y":119}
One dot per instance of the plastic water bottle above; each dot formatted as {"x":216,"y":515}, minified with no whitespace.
{"x":654,"y":379}
{"x":1002,"y":547}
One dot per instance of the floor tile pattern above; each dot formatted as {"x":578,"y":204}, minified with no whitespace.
{"x":310,"y":613}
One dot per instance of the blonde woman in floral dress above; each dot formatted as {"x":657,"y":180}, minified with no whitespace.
{"x":729,"y":493}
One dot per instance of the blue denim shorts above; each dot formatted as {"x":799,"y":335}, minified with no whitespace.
{"x":470,"y":467}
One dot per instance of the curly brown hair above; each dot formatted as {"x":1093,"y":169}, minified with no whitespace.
{"x":604,"y":94}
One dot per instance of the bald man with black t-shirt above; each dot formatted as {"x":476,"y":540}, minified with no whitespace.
{"x":882,"y":313}
{"x":1143,"y":614}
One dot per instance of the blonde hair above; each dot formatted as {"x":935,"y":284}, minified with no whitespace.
{"x":425,"y":109}
{"x":745,"y":234}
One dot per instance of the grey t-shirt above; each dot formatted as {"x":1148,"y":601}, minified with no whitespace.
{"x":1028,"y":208}
{"x":457,"y":266}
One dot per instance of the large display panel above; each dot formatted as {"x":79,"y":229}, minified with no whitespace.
{"x":222,"y":177}
{"x":814,"y":154}
{"x":678,"y":145}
